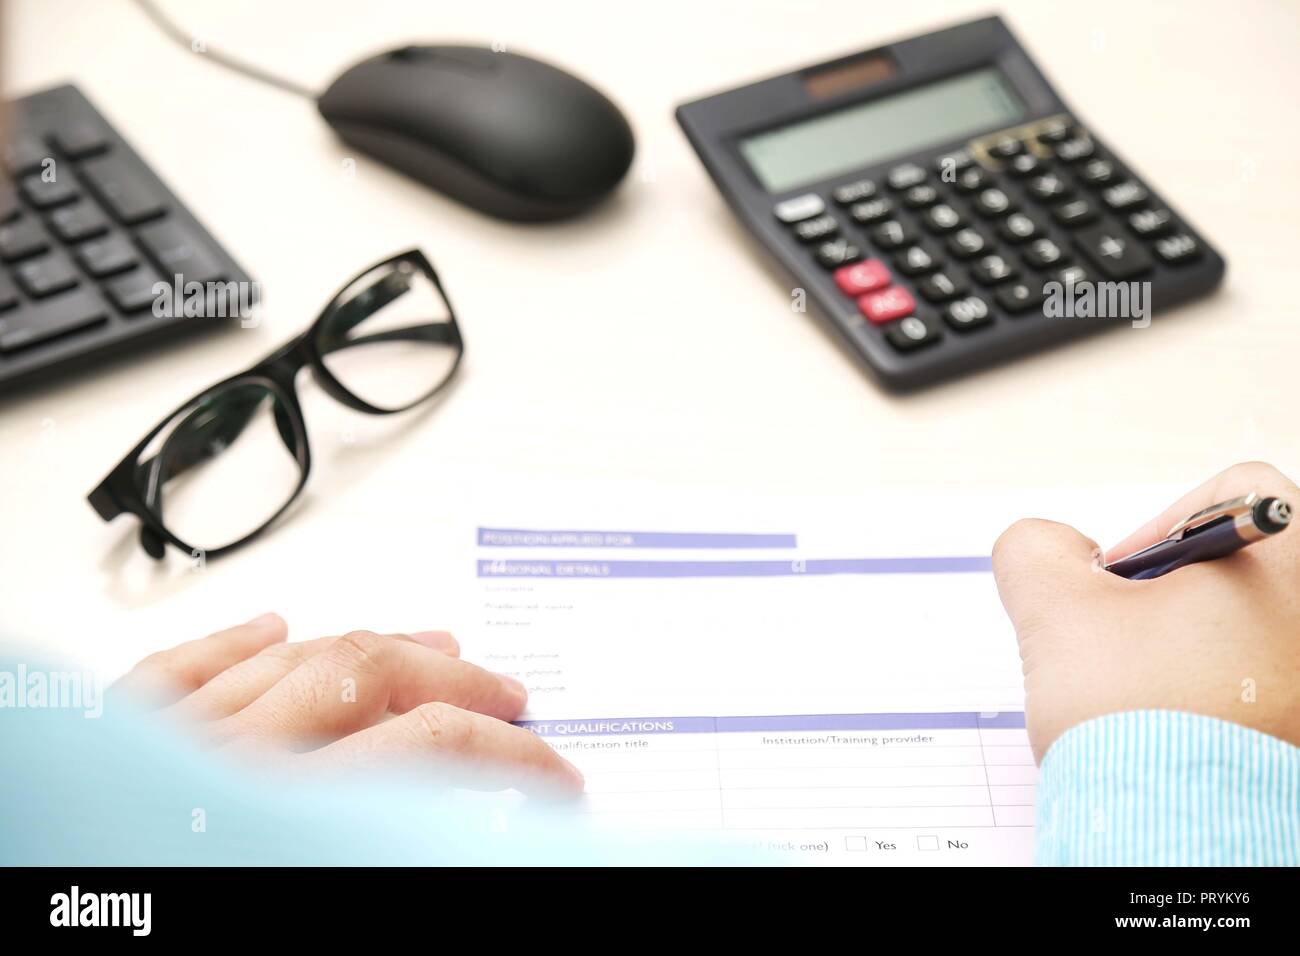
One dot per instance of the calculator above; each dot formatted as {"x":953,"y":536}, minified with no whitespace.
{"x":942,"y":205}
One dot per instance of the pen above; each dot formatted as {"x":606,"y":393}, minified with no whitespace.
{"x":1218,"y":530}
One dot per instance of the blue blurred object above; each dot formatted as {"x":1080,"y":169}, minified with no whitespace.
{"x":77,"y":788}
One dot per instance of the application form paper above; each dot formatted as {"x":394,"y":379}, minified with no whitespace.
{"x":827,"y":680}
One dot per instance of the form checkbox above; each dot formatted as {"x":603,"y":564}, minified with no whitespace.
{"x":928,"y":842}
{"x":858,"y":844}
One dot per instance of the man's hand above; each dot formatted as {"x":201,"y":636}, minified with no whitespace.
{"x":1220,"y":638}
{"x":324,"y":703}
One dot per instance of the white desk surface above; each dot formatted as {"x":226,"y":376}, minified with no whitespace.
{"x":649,"y":341}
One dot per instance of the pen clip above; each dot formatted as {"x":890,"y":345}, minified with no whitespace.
{"x":1234,"y":508}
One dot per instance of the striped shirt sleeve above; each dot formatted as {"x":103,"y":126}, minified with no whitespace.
{"x":1165,"y":788}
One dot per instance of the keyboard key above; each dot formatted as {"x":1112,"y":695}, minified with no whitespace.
{"x":857,"y":191}
{"x":1006,"y":148}
{"x":1098,"y":172}
{"x":1124,"y":195}
{"x":127,"y":192}
{"x":177,"y":251}
{"x":942,"y":218}
{"x":1045,"y":254}
{"x":1018,"y":227}
{"x":993,"y":269}
{"x":1020,"y":297}
{"x":46,"y":275}
{"x":891,"y":234}
{"x":24,"y":154}
{"x":941,"y":287}
{"x":799,"y":208}
{"x":1177,"y":249}
{"x":971,"y":312}
{"x":837,"y":252}
{"x":967,"y":242}
{"x":873,"y":210}
{"x":906,"y":176}
{"x":21,"y":239}
{"x":81,"y":220}
{"x":917,"y":260}
{"x":45,"y":193}
{"x":34,"y":322}
{"x":8,"y":293}
{"x":912,"y":333}
{"x":810,"y":230}
{"x":1048,"y":187}
{"x":9,"y":206}
{"x":918,"y":197}
{"x":1076,"y":212}
{"x":860,"y":278}
{"x":973,"y":179}
{"x":107,"y":256}
{"x":79,"y":140}
{"x":887,"y":304}
{"x":134,"y":291}
{"x":992,"y":202}
{"x":1115,"y":255}
{"x":1151,"y":222}
{"x":1075,"y":149}
{"x":1026,"y":165}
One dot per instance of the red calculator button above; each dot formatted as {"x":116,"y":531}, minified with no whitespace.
{"x":892,"y":303}
{"x":862,"y":277}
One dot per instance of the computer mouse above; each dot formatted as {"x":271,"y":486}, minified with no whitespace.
{"x":506,"y":134}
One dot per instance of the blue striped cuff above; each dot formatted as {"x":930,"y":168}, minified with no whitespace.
{"x":1164,"y":788}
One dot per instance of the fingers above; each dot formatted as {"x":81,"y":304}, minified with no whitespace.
{"x":440,"y":641}
{"x":1232,"y":483}
{"x":1042,"y":568}
{"x":237,"y":687}
{"x":168,"y":675}
{"x":360,"y":678}
{"x":497,"y":754}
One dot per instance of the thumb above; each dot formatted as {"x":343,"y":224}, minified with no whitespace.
{"x":1043,"y":569}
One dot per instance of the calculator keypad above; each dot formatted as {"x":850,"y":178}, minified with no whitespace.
{"x":838,"y":252}
{"x":970,"y":241}
{"x":912,"y":332}
{"x":887,"y":304}
{"x":799,"y":208}
{"x":891,"y":234}
{"x":971,"y":312}
{"x":856,"y":191}
{"x":873,"y":210}
{"x":1116,"y":255}
{"x":863,"y":277}
{"x":811,"y":230}
{"x":906,"y":176}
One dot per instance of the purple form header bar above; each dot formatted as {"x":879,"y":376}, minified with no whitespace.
{"x":500,"y":568}
{"x":641,"y":726}
{"x":525,"y":538}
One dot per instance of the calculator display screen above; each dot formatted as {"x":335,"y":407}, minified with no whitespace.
{"x":860,"y":135}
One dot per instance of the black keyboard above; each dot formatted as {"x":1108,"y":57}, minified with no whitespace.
{"x":87,"y":234}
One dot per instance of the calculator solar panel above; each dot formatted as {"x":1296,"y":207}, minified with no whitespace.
{"x":87,"y":231}
{"x":943,"y":206}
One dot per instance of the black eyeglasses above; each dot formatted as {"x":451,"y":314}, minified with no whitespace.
{"x":220,"y":469}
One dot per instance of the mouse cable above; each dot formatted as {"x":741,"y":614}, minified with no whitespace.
{"x":150,"y":9}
